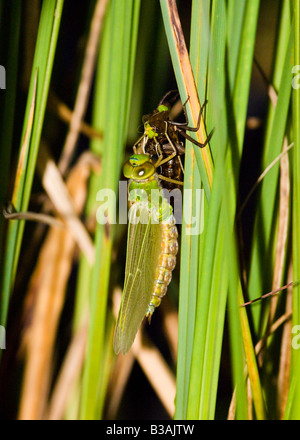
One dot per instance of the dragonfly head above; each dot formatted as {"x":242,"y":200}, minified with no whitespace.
{"x":139,"y":167}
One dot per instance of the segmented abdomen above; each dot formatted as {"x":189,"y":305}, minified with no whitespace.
{"x":167,"y":262}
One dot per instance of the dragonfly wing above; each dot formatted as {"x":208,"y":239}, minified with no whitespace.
{"x":143,"y":250}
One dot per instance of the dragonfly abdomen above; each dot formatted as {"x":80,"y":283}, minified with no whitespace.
{"x":166,"y":264}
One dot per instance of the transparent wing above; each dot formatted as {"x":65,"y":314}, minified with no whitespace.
{"x":143,"y":249}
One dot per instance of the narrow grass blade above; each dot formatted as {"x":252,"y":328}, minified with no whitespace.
{"x":42,"y":67}
{"x":293,"y":405}
{"x":261,"y":265}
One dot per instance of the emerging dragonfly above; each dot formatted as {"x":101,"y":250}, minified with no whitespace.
{"x":152,"y":235}
{"x":151,"y":250}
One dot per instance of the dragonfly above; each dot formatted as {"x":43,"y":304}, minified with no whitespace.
{"x":151,"y":249}
{"x":152,"y":243}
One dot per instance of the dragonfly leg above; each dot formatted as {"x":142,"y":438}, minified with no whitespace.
{"x":158,"y":149}
{"x":180,"y":163}
{"x":168,"y":137}
{"x":183,"y":127}
{"x":173,"y":146}
{"x":161,"y":160}
{"x":159,"y":154}
{"x":176,"y":93}
{"x":139,"y":146}
{"x":138,"y":141}
{"x":167,"y":179}
{"x":199,"y":144}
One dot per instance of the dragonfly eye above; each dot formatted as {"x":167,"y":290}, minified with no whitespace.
{"x":144,"y":171}
{"x":138,"y":167}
